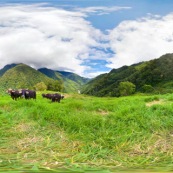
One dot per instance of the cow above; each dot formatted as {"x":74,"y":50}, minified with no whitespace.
{"x":54,"y":97}
{"x":30,"y":94}
{"x":48,"y":96}
{"x":15,"y":94}
{"x":44,"y":95}
{"x":57,"y":97}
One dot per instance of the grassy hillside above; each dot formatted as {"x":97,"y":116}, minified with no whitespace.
{"x":157,"y":73}
{"x":72,"y":82}
{"x":6,"y":68}
{"x":22,"y":76}
{"x":83,"y":132}
{"x":51,"y":73}
{"x":74,"y":77}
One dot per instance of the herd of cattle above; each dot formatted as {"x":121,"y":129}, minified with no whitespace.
{"x":31,"y":94}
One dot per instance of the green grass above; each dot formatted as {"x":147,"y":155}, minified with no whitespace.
{"x":83,"y":132}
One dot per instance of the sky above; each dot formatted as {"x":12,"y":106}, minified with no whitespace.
{"x":86,"y":37}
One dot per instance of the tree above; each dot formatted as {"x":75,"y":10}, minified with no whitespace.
{"x":126,"y":88}
{"x":55,"y":86}
{"x":147,"y":88}
{"x":41,"y":86}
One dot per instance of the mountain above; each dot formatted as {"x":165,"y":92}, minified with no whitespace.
{"x":74,"y":77}
{"x":157,"y":73}
{"x":51,"y":73}
{"x":22,"y":76}
{"x":72,"y":82}
{"x":7,"y":67}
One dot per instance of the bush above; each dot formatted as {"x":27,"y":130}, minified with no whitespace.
{"x":41,"y":86}
{"x":126,"y":88}
{"x":147,"y":89}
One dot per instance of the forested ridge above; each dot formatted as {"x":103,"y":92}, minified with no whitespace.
{"x":24,"y":76}
{"x":150,"y":76}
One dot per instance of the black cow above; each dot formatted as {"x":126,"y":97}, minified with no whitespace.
{"x":30,"y":94}
{"x":57,"y":97}
{"x":54,"y":97}
{"x":48,"y":96}
{"x":44,"y":95}
{"x":15,"y":94}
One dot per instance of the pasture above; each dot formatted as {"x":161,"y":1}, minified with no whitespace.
{"x":84,"y":132}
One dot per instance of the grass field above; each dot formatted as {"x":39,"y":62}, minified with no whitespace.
{"x":87,"y":132}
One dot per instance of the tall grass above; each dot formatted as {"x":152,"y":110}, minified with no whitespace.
{"x":84,"y":131}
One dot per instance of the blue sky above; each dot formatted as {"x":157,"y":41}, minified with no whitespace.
{"x":87,"y":37}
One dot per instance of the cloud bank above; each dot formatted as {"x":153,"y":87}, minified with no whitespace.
{"x":43,"y":36}
{"x":60,"y":39}
{"x":141,"y":40}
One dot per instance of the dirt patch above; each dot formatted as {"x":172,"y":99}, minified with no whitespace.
{"x":29,"y":141}
{"x":23,"y":127}
{"x":66,"y":96}
{"x":155,"y":102}
{"x":102,"y":112}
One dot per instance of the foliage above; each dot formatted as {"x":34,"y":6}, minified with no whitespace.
{"x":7,"y":67}
{"x":71,"y":82}
{"x":156,"y":73}
{"x":54,"y":86}
{"x":22,"y":76}
{"x":41,"y":86}
{"x":126,"y":88}
{"x":147,"y":89}
{"x":74,"y":77}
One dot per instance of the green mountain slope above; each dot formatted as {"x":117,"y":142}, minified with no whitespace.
{"x":51,"y":73}
{"x":72,"y":82}
{"x":6,"y":68}
{"x":158,"y":73}
{"x":74,"y":77}
{"x":22,"y":76}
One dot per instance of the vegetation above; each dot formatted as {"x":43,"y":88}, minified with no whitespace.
{"x":126,"y":88}
{"x":23,"y":76}
{"x":55,"y":86}
{"x":71,"y":82}
{"x":156,"y":73}
{"x":6,"y":68}
{"x":41,"y":86}
{"x":84,"y":132}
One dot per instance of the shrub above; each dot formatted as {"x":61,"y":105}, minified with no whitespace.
{"x":126,"y":88}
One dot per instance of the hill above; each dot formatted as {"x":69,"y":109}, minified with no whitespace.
{"x":6,"y":68}
{"x":72,"y":82}
{"x":157,"y":73}
{"x":22,"y":76}
{"x":74,"y":77}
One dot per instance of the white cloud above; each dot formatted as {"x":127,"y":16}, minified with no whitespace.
{"x":100,"y":10}
{"x":94,"y":74}
{"x":61,"y":39}
{"x":141,"y":40}
{"x":46,"y":37}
